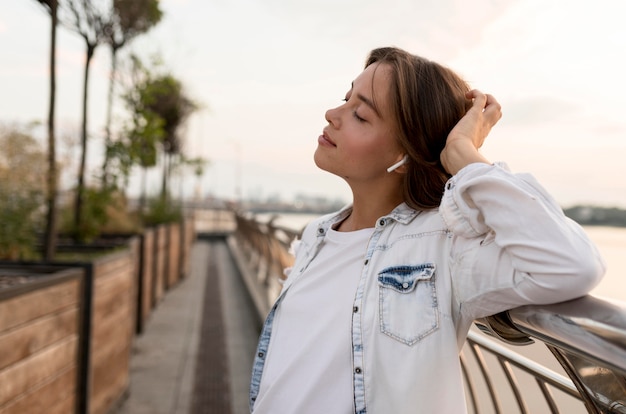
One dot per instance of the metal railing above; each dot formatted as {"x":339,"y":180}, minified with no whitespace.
{"x":586,"y":336}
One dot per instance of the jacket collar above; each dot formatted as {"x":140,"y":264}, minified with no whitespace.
{"x":402,"y":214}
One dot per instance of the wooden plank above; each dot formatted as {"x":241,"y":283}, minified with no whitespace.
{"x":32,"y":305}
{"x":54,"y":395}
{"x":113,"y":332}
{"x":108,"y":263}
{"x":159,"y":260}
{"x":68,"y":405}
{"x":108,"y":274}
{"x":174,"y":255}
{"x":108,"y":302}
{"x":147,"y":276}
{"x":28,"y":339}
{"x":109,"y":383}
{"x":191,"y":236}
{"x":19,"y":378}
{"x":120,"y":283}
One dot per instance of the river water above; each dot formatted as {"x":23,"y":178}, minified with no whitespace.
{"x":611,"y":242}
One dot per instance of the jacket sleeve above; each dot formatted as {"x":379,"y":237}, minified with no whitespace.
{"x":513,"y":245}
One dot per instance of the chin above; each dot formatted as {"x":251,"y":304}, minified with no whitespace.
{"x":319,"y":161}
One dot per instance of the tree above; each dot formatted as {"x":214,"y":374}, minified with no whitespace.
{"x":165,"y":97}
{"x":87,"y":19}
{"x":143,"y":131}
{"x":159,"y":108}
{"x":128,"y":19}
{"x":52,"y":175}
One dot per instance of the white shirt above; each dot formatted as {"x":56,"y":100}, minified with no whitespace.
{"x":310,"y":352}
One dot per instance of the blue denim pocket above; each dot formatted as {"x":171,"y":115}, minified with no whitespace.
{"x":408,"y":302}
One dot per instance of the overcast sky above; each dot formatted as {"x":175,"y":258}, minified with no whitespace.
{"x":265,"y":72}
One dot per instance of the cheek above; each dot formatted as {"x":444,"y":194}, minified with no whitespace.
{"x":376,"y":148}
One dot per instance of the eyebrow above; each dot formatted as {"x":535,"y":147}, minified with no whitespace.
{"x":368,"y":102}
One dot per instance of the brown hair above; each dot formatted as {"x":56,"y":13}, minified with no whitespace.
{"x":427,"y":100}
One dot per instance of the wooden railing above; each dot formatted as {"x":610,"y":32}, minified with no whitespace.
{"x":505,"y":372}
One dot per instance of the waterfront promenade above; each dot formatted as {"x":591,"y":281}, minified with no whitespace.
{"x":196,"y":350}
{"x":195,"y":354}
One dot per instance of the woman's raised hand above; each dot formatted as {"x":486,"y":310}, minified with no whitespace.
{"x":470,"y":132}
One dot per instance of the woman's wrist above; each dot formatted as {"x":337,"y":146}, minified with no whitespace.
{"x":459,"y":154}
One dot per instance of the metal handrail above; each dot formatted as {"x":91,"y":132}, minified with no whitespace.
{"x":587,"y":336}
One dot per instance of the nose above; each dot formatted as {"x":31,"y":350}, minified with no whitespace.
{"x":333,"y":118}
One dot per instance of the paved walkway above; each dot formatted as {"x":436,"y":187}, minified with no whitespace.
{"x":195,"y":354}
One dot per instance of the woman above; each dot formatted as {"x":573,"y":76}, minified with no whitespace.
{"x":379,"y":301}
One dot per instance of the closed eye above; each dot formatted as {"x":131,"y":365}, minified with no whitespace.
{"x":357,"y":117}
{"x":354,"y":114}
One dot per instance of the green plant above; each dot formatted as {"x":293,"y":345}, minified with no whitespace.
{"x":22,"y":172}
{"x":20,"y":220}
{"x":94,"y":215}
{"x":161,"y":210}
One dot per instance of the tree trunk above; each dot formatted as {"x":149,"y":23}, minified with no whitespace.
{"x":164,"y":188}
{"x":51,"y":216}
{"x":142,"y":199}
{"x":107,"y":138}
{"x":80,"y":187}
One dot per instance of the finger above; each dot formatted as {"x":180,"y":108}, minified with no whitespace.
{"x":473,"y":94}
{"x":491,"y":101}
{"x":493,"y":110}
{"x":479,"y":99}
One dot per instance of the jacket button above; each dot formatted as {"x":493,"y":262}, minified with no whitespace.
{"x":381,"y":222}
{"x":355,"y":309}
{"x":357,"y":370}
{"x":405,"y":285}
{"x":261,"y":354}
{"x":367,"y":261}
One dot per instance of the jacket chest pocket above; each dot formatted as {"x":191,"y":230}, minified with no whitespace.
{"x":408,"y":302}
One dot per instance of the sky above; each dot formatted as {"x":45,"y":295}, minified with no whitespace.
{"x":265,"y":71}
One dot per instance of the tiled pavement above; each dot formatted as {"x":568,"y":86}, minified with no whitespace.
{"x":196,"y":352}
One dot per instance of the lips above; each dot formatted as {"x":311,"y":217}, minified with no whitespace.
{"x":325,"y":140}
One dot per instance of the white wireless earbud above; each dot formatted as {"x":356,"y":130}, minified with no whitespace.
{"x":398,"y":164}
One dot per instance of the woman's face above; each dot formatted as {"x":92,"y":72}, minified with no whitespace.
{"x":359,"y":141}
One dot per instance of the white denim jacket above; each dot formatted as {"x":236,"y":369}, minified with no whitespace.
{"x":498,"y":241}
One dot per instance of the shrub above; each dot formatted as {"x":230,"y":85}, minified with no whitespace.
{"x":22,"y":174}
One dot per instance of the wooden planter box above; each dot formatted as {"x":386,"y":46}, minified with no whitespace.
{"x":112,"y":327}
{"x":40,"y":340}
{"x":80,"y":370}
{"x":66,"y":334}
{"x":160,"y":263}
{"x":189,"y":236}
{"x":145,"y":288}
{"x":174,"y":248}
